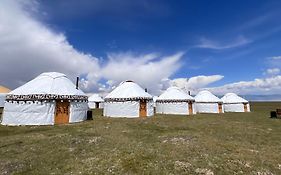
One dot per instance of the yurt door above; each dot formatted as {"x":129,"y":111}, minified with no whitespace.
{"x":245,"y":107}
{"x":62,"y":112}
{"x":220,"y":108}
{"x":190,"y":110}
{"x":97,"y":105}
{"x":143,"y":108}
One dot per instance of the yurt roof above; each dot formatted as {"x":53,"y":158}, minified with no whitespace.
{"x":95,"y":98}
{"x":4,"y":90}
{"x":128,"y":90}
{"x":49,"y":83}
{"x":206,"y":96}
{"x":233,"y":98}
{"x":174,"y":93}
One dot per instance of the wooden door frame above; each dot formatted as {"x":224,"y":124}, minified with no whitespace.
{"x":220,"y":108}
{"x":97,"y":104}
{"x":56,"y":105}
{"x":245,"y":107}
{"x":190,"y":108}
{"x":145,"y":102}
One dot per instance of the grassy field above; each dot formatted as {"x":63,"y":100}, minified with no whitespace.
{"x":232,"y":143}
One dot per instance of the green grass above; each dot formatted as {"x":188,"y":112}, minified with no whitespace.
{"x":231,"y":143}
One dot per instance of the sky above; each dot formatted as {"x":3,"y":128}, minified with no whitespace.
{"x":222,"y":46}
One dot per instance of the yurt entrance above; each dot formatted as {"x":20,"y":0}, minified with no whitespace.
{"x":245,"y":107}
{"x":97,"y":105}
{"x":62,"y":112}
{"x":190,"y":110}
{"x":143,"y":108}
{"x":220,"y":107}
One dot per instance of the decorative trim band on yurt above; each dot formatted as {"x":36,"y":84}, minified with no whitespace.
{"x":209,"y":102}
{"x":34,"y":97}
{"x":237,"y":103}
{"x":174,"y":100}
{"x":126,"y":99}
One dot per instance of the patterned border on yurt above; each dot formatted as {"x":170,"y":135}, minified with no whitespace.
{"x":244,"y":103}
{"x":209,"y":102}
{"x":174,"y":100}
{"x":34,"y":97}
{"x":126,"y":99}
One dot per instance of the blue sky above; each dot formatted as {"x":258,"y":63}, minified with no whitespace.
{"x":236,"y":40}
{"x":170,"y":26}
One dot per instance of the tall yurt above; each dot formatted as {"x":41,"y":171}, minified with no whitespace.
{"x":233,"y":103}
{"x":206,"y":102}
{"x":128,"y":100}
{"x":95,"y":101}
{"x":51,"y":98}
{"x":175,"y":101}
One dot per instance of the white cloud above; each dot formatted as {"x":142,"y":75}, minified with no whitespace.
{"x":274,"y":64}
{"x":28,"y":47}
{"x":194,"y":84}
{"x":275,"y":58}
{"x":256,"y":22}
{"x":261,"y":86}
{"x":148,"y":70}
{"x":202,"y":81}
{"x":210,"y":44}
{"x":272,"y":71}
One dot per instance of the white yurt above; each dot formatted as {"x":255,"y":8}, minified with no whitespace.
{"x":95,"y":101}
{"x":3,"y":92}
{"x":233,"y":103}
{"x":175,"y":101}
{"x":128,"y":100}
{"x":206,"y":102}
{"x":51,"y":98}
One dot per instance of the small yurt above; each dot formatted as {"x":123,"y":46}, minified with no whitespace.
{"x":206,"y":102}
{"x":128,"y":100}
{"x":233,"y":103}
{"x":175,"y":101}
{"x":51,"y":98}
{"x":3,"y":92}
{"x":95,"y":101}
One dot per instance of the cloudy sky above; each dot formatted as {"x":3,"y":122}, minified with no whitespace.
{"x":223,"y":46}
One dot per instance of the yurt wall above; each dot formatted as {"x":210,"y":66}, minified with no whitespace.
{"x":239,"y":107}
{"x":122,"y":109}
{"x":208,"y":107}
{"x":174,"y":108}
{"x":78,"y":111}
{"x":29,"y":113}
